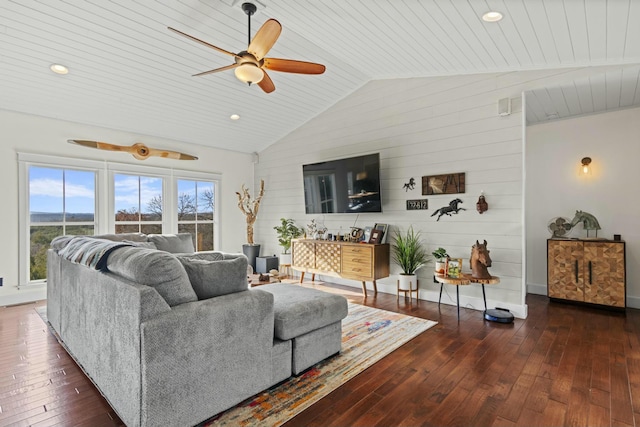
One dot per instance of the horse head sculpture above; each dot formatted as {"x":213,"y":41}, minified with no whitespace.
{"x":480,"y":260}
{"x":589,"y":222}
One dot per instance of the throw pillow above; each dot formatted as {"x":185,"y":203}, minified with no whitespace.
{"x":157,"y":269}
{"x":173,"y":243}
{"x":215,"y":278}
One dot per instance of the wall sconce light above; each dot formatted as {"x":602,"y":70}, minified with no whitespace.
{"x":481,"y":205}
{"x":586,"y":168}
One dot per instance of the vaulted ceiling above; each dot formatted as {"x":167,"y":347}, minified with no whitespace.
{"x":128,"y":72}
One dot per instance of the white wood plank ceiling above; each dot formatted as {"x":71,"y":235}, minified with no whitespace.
{"x":128,"y":72}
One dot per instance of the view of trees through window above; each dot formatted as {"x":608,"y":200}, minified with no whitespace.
{"x":61,"y":202}
{"x":195,"y":212}
{"x":138,"y":204}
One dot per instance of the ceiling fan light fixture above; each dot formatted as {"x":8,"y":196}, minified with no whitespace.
{"x":234,"y":117}
{"x":492,"y":16}
{"x":249,"y":73}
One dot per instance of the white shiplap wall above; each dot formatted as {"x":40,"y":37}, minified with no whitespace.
{"x":422,"y":127}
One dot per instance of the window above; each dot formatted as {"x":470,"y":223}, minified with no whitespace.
{"x":60,"y":196}
{"x":195,"y":212}
{"x":61,"y":202}
{"x":138,"y":204}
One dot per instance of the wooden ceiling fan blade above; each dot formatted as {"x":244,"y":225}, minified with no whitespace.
{"x":217,"y":70}
{"x":264,"y":39}
{"x":168,"y":154}
{"x":266,"y":84}
{"x":219,"y":49}
{"x":293,"y":66}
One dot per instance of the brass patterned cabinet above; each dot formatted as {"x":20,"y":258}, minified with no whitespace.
{"x":357,"y":261}
{"x":590,"y":271}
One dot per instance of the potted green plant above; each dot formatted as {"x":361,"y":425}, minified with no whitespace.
{"x":440,"y":256}
{"x":287,"y":231}
{"x":408,"y":252}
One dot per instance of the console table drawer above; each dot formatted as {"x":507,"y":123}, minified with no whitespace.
{"x":357,"y":261}
{"x":355,"y":269}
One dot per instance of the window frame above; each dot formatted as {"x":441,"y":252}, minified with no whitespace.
{"x":105,"y":197}
{"x":215,"y":220}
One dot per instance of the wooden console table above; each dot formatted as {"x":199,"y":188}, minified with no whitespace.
{"x":357,"y":261}
{"x":465,"y":279}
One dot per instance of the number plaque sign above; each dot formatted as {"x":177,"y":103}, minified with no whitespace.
{"x":418,"y":204}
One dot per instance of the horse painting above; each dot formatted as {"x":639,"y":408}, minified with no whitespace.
{"x":480,"y":260}
{"x":589,"y":222}
{"x":448,"y":210}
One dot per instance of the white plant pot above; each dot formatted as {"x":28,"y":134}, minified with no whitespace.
{"x":407,"y":282}
{"x":440,"y":266}
{"x":285,"y":259}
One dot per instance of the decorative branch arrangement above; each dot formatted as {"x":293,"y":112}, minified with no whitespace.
{"x":250,"y":208}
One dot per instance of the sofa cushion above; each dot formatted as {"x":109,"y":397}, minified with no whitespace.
{"x":147,"y":245}
{"x":301,"y":310}
{"x":130,"y":237}
{"x":205,"y":256}
{"x":174,"y":243}
{"x":157,"y":269}
{"x":215,"y":278}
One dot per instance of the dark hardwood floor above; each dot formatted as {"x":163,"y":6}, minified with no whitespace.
{"x":564,"y":365}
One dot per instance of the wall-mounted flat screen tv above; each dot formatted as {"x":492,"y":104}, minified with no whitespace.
{"x":343,"y":186}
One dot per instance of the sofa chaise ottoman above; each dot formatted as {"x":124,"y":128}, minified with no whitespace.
{"x":311,"y":319}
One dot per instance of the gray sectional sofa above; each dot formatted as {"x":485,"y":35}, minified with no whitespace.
{"x":171,"y":337}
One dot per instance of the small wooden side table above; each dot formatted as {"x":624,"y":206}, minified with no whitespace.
{"x":494,"y":280}
{"x":410,"y":290}
{"x":457,"y":281}
{"x":286,"y":269}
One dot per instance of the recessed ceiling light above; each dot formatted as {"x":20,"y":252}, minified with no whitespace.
{"x":492,"y":16}
{"x":59,"y":69}
{"x":234,"y":117}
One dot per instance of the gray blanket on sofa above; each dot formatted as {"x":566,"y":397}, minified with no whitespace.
{"x":85,"y":250}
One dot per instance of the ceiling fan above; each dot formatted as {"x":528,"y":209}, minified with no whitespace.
{"x":138,"y":150}
{"x":251,"y":64}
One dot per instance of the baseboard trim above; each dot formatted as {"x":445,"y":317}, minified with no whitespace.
{"x":22,"y":296}
{"x":536,"y":288}
{"x":474,"y":303}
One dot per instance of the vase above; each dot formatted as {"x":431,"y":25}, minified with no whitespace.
{"x":407,"y":282}
{"x":251,"y":252}
{"x":440,"y":266}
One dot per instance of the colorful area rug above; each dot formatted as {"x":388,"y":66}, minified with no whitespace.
{"x":368,"y":334}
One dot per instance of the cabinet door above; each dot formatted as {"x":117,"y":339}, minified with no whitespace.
{"x":357,"y":262}
{"x":565,"y":270}
{"x":328,"y":257}
{"x":304,"y":254}
{"x":604,"y":279}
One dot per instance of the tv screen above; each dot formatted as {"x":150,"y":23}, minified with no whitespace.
{"x":343,"y":186}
